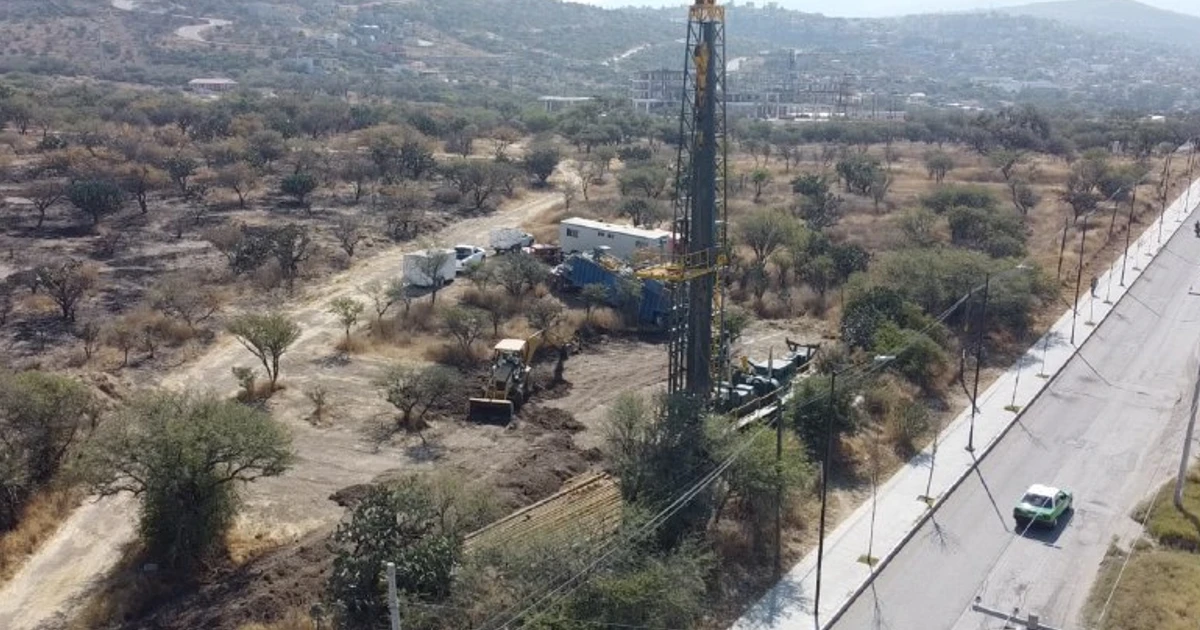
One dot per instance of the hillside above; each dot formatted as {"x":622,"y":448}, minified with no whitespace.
{"x":1120,"y":17}
{"x":463,"y":50}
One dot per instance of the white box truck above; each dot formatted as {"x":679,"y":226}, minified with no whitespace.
{"x":622,"y":241}
{"x":509,"y":240}
{"x":429,"y":266}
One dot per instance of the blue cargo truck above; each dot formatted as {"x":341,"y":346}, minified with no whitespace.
{"x":580,"y":270}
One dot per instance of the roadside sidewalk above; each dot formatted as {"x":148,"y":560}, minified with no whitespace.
{"x":899,"y":507}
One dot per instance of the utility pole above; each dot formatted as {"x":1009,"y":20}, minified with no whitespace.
{"x":980,"y":327}
{"x":1187,"y":445}
{"x":393,"y":600}
{"x":778,"y":481}
{"x":1128,"y":231}
{"x":1078,"y":278}
{"x":1166,"y":192}
{"x":825,"y":492}
{"x":1187,"y":200}
{"x":1062,"y":250}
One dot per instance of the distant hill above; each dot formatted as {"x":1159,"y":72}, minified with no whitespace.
{"x":1126,"y":17}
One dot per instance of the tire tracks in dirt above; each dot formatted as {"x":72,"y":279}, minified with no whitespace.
{"x":90,"y":542}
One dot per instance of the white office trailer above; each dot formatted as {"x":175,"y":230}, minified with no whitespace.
{"x":622,"y":241}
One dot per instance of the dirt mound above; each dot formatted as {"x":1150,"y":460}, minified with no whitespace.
{"x":262,"y":591}
{"x":541,"y":471}
{"x":351,"y":496}
{"x":549,"y":419}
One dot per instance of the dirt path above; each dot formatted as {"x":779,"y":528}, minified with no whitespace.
{"x":83,"y":549}
{"x":89,"y":543}
{"x":599,"y":375}
{"x":195,"y":32}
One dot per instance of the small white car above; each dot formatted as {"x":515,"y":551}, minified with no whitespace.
{"x":467,"y":256}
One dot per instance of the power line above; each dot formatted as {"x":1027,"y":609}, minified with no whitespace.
{"x":552,"y":595}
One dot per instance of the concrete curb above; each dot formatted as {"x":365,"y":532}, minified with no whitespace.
{"x":879,"y":566}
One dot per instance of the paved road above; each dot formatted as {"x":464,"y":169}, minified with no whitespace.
{"x":1110,"y":431}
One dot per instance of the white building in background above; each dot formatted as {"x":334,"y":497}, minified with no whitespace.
{"x":212,"y":85}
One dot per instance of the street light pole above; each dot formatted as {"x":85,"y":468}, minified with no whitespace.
{"x":778,"y":487}
{"x":982,"y":324}
{"x":1062,"y":250}
{"x":1187,"y":445}
{"x":825,"y":492}
{"x":1128,"y":231}
{"x":1078,"y":278}
{"x":1166,"y":192}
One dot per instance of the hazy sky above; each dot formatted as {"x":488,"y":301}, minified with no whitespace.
{"x":876,"y":8}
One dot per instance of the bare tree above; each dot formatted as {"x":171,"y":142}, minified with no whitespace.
{"x":290,"y":245}
{"x":44,"y":195}
{"x":241,"y":178}
{"x":359,"y":172}
{"x":348,"y":231}
{"x":139,"y":180}
{"x":67,"y":284}
{"x":403,"y":210}
{"x":570,"y":192}
{"x":379,"y":295}
{"x":7,"y":303}
{"x":121,"y":334}
{"x":190,"y":298}
{"x":498,"y":307}
{"x":398,"y":291}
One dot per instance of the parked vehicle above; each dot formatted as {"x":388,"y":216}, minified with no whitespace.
{"x":760,"y":381}
{"x":509,"y":384}
{"x":548,"y":254}
{"x":467,"y":256}
{"x":419,"y":264}
{"x":509,"y":240}
{"x":622,"y":241}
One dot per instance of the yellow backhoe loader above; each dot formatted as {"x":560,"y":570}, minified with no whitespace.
{"x":508,"y":386}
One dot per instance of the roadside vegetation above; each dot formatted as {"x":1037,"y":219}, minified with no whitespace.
{"x":239,"y":258}
{"x":1156,"y":583}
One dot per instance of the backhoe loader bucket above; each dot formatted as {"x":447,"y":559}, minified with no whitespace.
{"x":491,"y":410}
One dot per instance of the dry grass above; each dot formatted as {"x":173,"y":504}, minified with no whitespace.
{"x":453,"y":354}
{"x":295,"y":620}
{"x":248,"y":539}
{"x":1159,"y":590}
{"x":1160,"y":587}
{"x":352,"y":344}
{"x":38,"y":522}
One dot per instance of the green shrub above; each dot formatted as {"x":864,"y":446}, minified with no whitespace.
{"x":948,"y":197}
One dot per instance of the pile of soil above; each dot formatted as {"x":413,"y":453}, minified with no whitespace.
{"x":541,"y":471}
{"x":262,"y":591}
{"x":549,"y":419}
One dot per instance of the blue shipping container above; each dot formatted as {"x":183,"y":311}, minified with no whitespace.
{"x":582,"y":271}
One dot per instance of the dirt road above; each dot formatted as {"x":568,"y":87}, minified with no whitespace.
{"x":195,"y":32}
{"x":329,"y":458}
